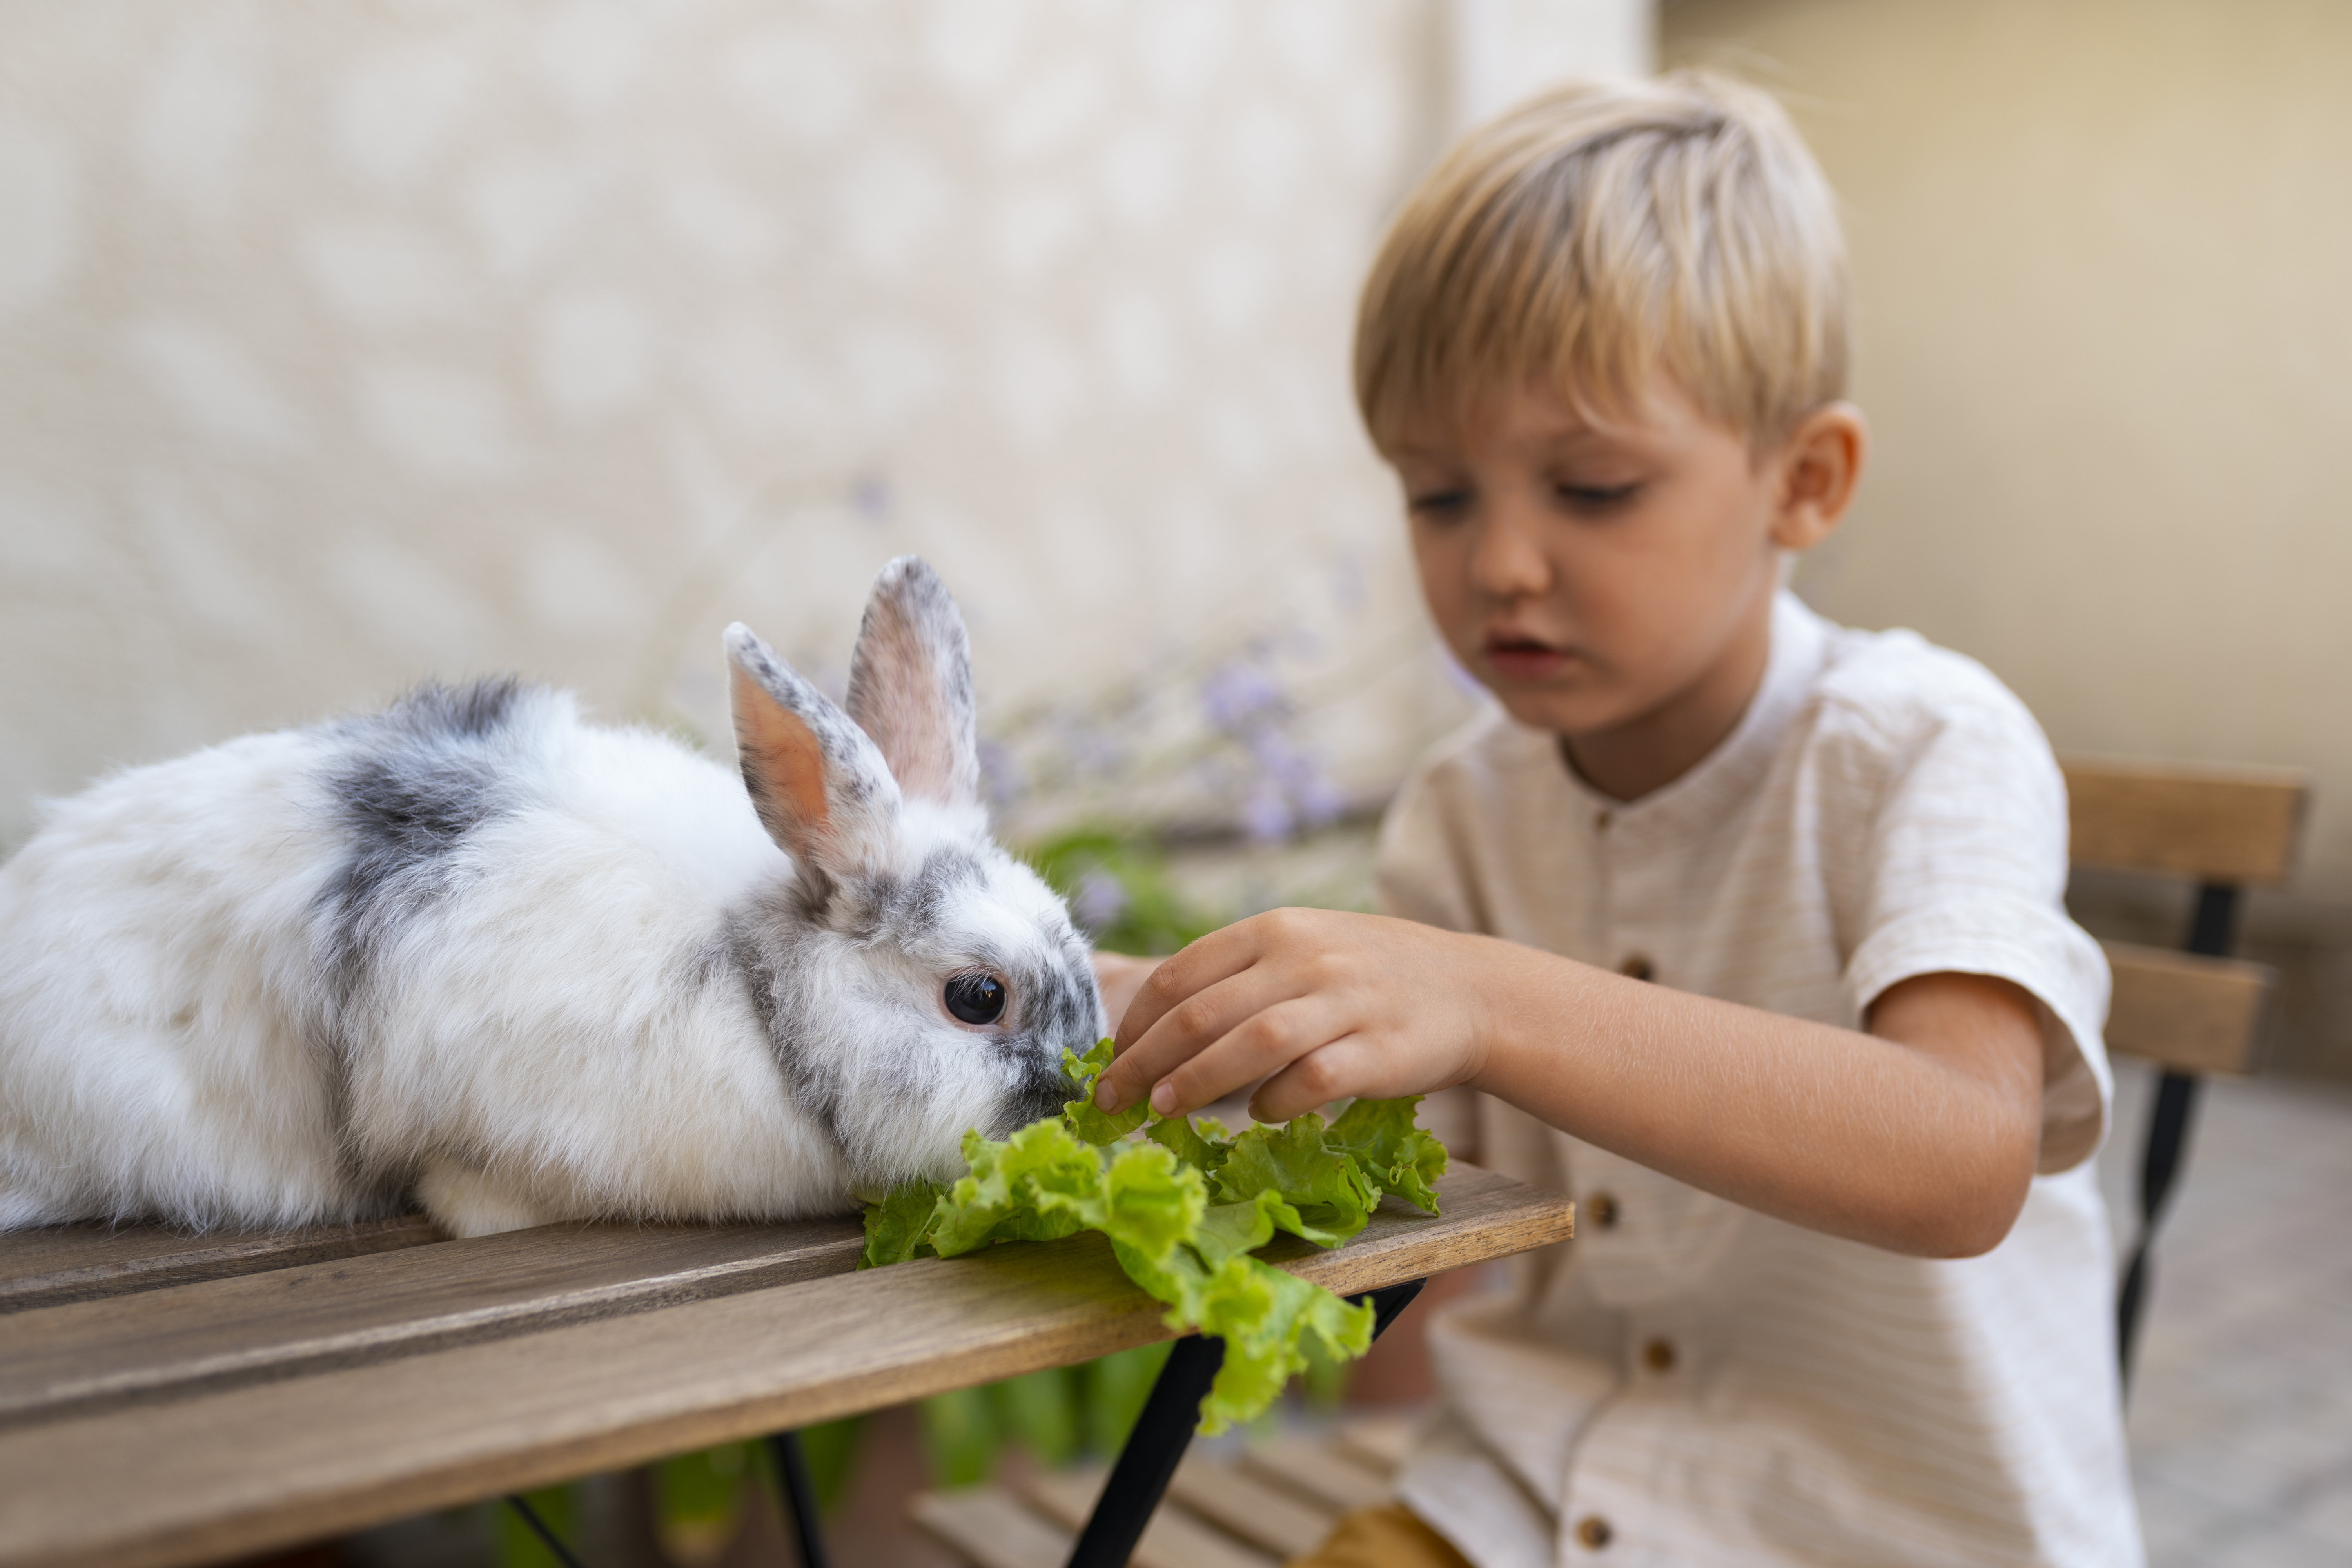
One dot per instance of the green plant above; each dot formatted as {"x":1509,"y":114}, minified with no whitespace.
{"x":1118,"y":886}
{"x":1185,"y":1207}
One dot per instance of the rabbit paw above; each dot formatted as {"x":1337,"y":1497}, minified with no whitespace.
{"x":465,"y":1201}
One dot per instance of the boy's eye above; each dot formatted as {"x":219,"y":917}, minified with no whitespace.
{"x":1438,"y":504}
{"x":1598,"y":497}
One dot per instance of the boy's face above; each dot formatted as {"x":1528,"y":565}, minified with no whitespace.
{"x":1612,"y":580}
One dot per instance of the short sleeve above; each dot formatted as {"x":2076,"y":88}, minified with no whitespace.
{"x":1966,"y":873}
{"x":1419,"y":873}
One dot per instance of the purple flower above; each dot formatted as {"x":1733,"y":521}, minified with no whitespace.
{"x":1101,"y":900}
{"x":1000,"y":778}
{"x":1318,"y":801}
{"x":1239,"y":697}
{"x":1267,"y":815}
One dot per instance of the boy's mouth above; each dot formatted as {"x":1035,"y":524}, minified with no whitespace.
{"x":1514,"y":656}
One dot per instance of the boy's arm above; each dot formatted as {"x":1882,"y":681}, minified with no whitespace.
{"x":1919,"y":1136}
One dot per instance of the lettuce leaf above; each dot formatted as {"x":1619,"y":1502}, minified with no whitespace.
{"x":1089,"y":1122}
{"x":1185,"y":1206}
{"x":1399,"y":1156}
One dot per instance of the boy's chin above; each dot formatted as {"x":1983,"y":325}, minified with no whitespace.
{"x":1564,"y":710}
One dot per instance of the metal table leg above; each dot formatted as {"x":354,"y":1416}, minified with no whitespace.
{"x":1164,"y":1431}
{"x":807,"y":1522}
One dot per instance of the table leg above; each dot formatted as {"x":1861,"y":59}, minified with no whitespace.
{"x":547,"y":1537}
{"x":800,"y":1493}
{"x":1164,"y":1431}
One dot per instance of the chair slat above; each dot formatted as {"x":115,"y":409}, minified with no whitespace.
{"x":81,"y":1262}
{"x":2190,"y":1014}
{"x":1249,"y":1507}
{"x":222,"y":1331}
{"x":988,"y":1528}
{"x":1322,"y":1472}
{"x":1174,"y":1539}
{"x":242,"y":1469}
{"x":2215,"y":824}
{"x":1380,"y":1442}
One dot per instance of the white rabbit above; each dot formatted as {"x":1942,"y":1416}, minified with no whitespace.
{"x":473,"y":953}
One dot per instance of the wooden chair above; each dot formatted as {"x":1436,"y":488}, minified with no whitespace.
{"x":1257,"y":1510}
{"x":2196,"y":1011}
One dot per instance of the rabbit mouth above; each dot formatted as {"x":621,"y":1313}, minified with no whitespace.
{"x":1042,"y":1092}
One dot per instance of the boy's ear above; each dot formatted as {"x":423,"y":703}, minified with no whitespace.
{"x":1820,"y":464}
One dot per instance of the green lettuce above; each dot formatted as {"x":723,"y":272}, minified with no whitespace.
{"x":1186,"y":1205}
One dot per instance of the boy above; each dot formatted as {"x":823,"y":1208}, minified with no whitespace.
{"x":1747,"y":926}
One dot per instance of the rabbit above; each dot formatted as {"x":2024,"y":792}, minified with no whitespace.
{"x":473,"y":954}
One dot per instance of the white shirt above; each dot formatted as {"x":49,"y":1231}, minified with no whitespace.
{"x":1696,"y":1383}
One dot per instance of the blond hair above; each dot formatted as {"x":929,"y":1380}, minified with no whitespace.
{"x":1602,"y":232}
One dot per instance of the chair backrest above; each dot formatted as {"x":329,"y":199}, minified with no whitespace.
{"x":2232,"y":824}
{"x":2221,"y":827}
{"x":2198,"y":1011}
{"x":2186,"y":1012}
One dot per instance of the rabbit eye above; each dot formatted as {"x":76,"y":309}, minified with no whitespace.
{"x":976,"y":998}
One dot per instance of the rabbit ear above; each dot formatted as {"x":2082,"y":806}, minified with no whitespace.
{"x":819,"y":785}
{"x":910,"y":685}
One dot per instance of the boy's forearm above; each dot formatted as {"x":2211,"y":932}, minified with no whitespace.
{"x":1922,"y":1143}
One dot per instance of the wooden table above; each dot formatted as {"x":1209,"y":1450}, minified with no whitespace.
{"x":169,"y":1399}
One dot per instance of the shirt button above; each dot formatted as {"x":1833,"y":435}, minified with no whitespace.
{"x":1658,"y":1355}
{"x":1637,"y":968}
{"x":1602,"y":1208}
{"x":1594,"y":1532}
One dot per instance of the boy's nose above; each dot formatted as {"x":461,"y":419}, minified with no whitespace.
{"x":1507,"y":560}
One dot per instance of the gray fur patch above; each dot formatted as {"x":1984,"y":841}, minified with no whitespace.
{"x":422,"y":776}
{"x":759,"y":949}
{"x":417,"y":778}
{"x":906,"y":905}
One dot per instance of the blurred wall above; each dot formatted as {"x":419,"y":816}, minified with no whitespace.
{"x":342,"y":345}
{"x":2101,"y":259}
{"x":2100,"y":254}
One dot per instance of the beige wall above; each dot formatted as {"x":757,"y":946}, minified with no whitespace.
{"x":2102,"y":257}
{"x":341,"y":346}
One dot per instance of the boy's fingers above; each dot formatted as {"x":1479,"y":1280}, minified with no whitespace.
{"x":1270,"y":1040}
{"x":1275,"y":935}
{"x":1200,"y":964}
{"x":1341,"y":1068}
{"x":1189,"y":1029}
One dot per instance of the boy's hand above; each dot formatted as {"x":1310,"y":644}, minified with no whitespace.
{"x":1319,"y":1004}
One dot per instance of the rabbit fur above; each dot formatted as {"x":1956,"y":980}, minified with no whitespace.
{"x":473,"y":953}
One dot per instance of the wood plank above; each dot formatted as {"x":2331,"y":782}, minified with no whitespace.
{"x":990,"y":1528}
{"x":1321,"y":1472}
{"x":1251,"y":1506}
{"x":1380,"y":1442}
{"x":94,"y":1354}
{"x":1486,"y":1216}
{"x":2215,"y":824}
{"x":247,"y":1468}
{"x":81,"y":1262}
{"x":1174,"y":1538}
{"x":2188,"y":1012}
